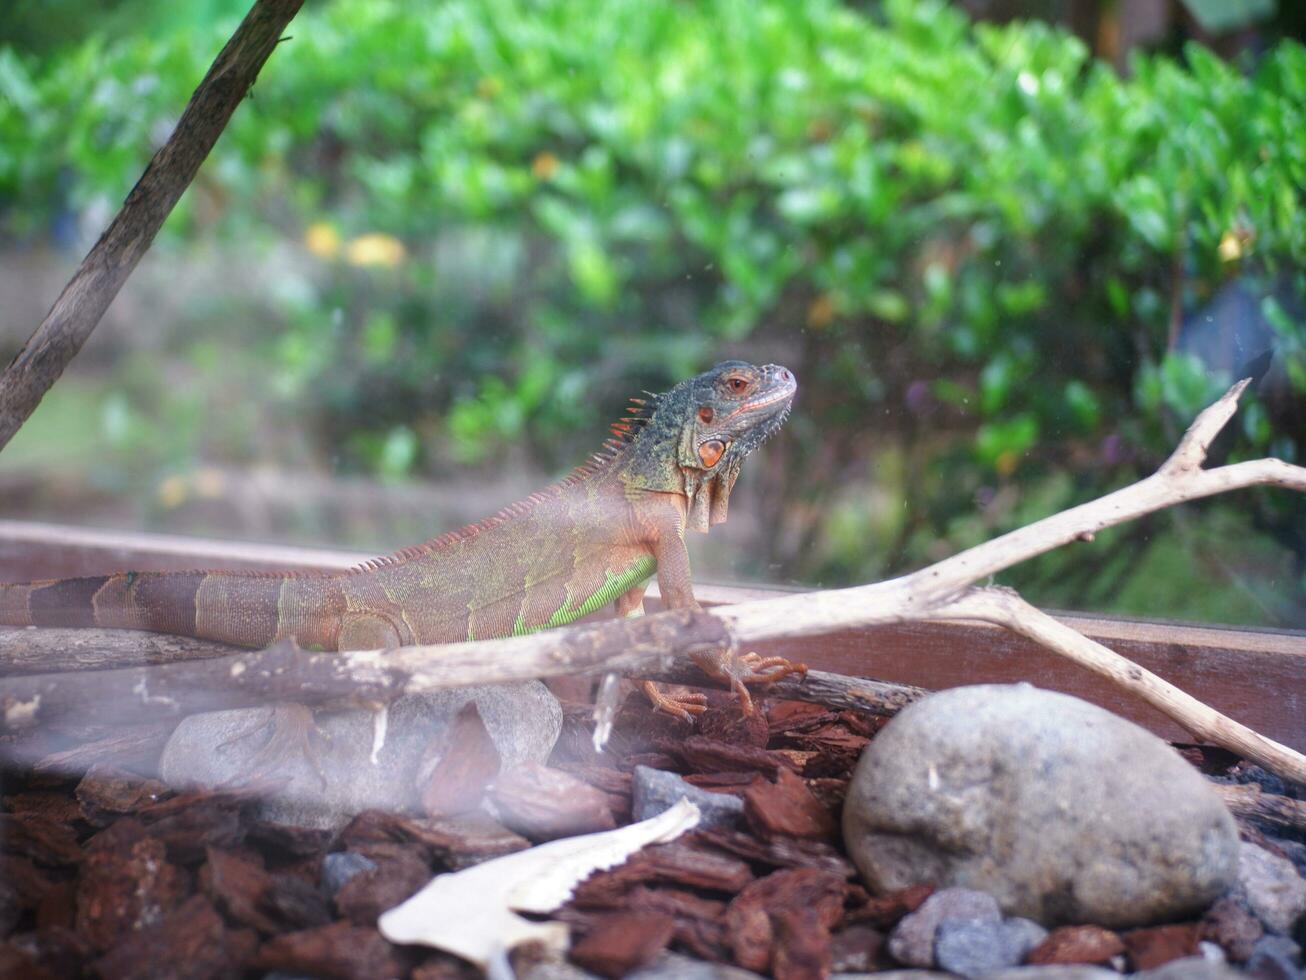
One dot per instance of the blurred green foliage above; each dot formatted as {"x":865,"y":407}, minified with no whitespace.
{"x":974,"y":244}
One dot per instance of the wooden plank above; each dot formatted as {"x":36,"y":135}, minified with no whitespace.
{"x":1256,"y":676}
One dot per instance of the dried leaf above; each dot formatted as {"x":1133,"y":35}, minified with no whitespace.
{"x":470,"y":913}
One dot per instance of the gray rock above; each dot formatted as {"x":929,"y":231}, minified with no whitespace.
{"x":553,"y":969}
{"x":912,"y":939}
{"x":674,"y":966}
{"x":1271,"y":887}
{"x":1060,"y":810}
{"x":1059,"y":971}
{"x":655,"y":790}
{"x":1190,"y":968}
{"x":339,"y":866}
{"x":1276,"y":958}
{"x":898,"y":975}
{"x":222,"y":747}
{"x":973,"y":949}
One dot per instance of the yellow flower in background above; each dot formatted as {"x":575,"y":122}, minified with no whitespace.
{"x":1231,"y":247}
{"x":173,"y":491}
{"x":322,"y":240}
{"x":375,"y":249}
{"x":821,"y":312}
{"x":544,"y":166}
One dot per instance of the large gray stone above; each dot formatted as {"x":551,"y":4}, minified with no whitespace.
{"x":1058,"y":809}
{"x":223,"y":747}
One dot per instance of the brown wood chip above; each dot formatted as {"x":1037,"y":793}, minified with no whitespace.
{"x":107,"y":792}
{"x":40,"y":840}
{"x":471,"y":760}
{"x":1228,"y":924}
{"x":728,"y":724}
{"x":786,"y":807}
{"x":400,"y":872}
{"x":621,"y":943}
{"x":1086,"y":944}
{"x":802,"y":945}
{"x":192,"y":941}
{"x":1158,"y":945}
{"x":46,"y":804}
{"x":752,"y":917}
{"x":544,"y":804}
{"x":340,"y":951}
{"x":884,"y":911}
{"x":238,"y":884}
{"x":460,"y":842}
{"x":778,"y":852}
{"x":126,"y":883}
{"x":191,"y":823}
{"x":710,"y":755}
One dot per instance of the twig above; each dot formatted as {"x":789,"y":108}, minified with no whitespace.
{"x":1004,"y":608}
{"x":24,"y":650}
{"x":940,"y":592}
{"x":106,"y":267}
{"x":1250,"y":801}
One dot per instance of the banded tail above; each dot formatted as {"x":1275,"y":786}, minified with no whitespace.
{"x":244,"y":609}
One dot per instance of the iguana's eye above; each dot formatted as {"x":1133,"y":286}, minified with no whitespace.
{"x":705,"y":414}
{"x":737,"y":384}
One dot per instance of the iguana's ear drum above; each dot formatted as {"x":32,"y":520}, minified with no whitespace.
{"x":709,"y":454}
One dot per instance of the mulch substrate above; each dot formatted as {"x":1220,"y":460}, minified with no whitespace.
{"x":114,"y":875}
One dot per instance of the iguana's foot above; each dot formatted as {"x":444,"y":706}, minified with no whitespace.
{"x":290,"y":733}
{"x":750,"y":668}
{"x":683,"y":706}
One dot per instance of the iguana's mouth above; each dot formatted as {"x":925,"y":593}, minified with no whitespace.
{"x":784,"y":394}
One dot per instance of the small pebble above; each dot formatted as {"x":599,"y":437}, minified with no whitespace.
{"x":1276,"y":958}
{"x":912,"y":940}
{"x":1052,"y":971}
{"x":1272,"y":888}
{"x":655,"y":790}
{"x":1191,"y":968}
{"x":339,"y":866}
{"x":972,"y":949}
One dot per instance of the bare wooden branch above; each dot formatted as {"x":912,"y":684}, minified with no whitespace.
{"x":1005,"y":608}
{"x":57,"y":652}
{"x":943,"y":591}
{"x":106,"y":267}
{"x":1252,"y":802}
{"x":28,"y":650}
{"x":286,"y":673}
{"x":836,"y":691}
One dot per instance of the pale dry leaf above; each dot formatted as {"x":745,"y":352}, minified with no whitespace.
{"x":470,"y":913}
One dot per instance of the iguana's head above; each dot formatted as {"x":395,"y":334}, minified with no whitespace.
{"x":693,"y":439}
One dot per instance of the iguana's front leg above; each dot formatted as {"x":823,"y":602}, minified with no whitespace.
{"x":725,"y":665}
{"x":677,"y":593}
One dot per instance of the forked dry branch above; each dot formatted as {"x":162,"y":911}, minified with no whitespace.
{"x":945,"y":591}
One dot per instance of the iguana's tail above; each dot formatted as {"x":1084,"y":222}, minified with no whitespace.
{"x":245,"y":609}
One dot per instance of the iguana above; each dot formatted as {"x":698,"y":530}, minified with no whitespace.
{"x":595,"y":537}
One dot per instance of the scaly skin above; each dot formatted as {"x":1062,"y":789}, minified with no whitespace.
{"x":596,"y":537}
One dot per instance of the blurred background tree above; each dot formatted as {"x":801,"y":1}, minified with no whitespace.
{"x":1009,"y":248}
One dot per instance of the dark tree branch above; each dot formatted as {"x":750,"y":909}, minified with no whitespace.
{"x":106,"y":267}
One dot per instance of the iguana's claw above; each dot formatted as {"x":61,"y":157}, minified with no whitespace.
{"x":683,"y":706}
{"x":750,"y":668}
{"x":292,"y":734}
